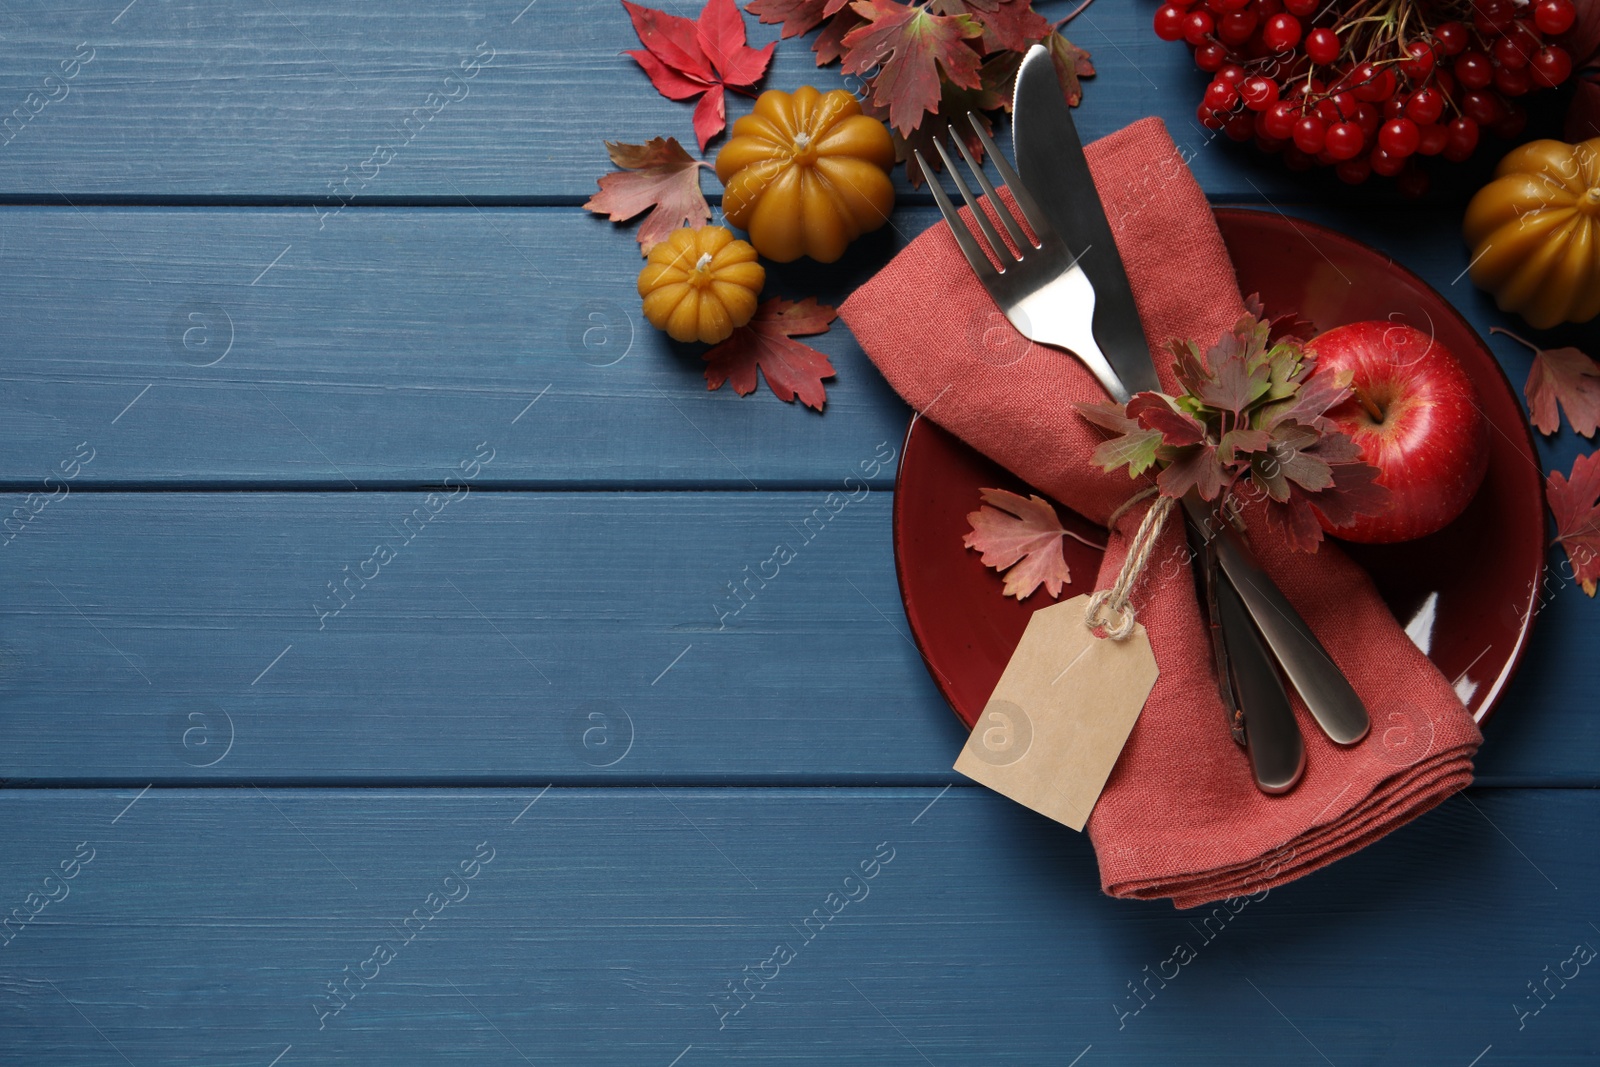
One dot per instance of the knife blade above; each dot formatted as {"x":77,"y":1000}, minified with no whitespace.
{"x":1052,"y":165}
{"x":1050,"y":158}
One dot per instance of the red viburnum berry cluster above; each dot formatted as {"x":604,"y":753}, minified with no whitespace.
{"x":1370,"y":86}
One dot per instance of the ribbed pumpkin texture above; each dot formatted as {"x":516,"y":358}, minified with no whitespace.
{"x":701,"y":285}
{"x":806,"y":173}
{"x":1535,"y":232}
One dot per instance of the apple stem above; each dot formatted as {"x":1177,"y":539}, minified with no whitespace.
{"x":1529,"y":344}
{"x":1372,"y":409}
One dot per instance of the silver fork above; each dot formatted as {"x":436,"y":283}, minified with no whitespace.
{"x":1037,"y":284}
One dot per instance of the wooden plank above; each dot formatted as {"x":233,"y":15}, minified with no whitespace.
{"x":241,"y":347}
{"x":608,"y":923}
{"x":311,"y":99}
{"x":142,"y":633}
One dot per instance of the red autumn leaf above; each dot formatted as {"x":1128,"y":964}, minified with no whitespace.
{"x":659,"y":176}
{"x":792,"y":369}
{"x":1026,"y":529}
{"x":1563,"y":375}
{"x":1575,"y":502}
{"x":1008,"y":25}
{"x":910,"y":46}
{"x":797,"y":16}
{"x":829,"y":45}
{"x":685,"y":58}
{"x":1071,"y":63}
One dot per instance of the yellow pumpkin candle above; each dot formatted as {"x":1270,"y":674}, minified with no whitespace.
{"x":700,"y":285}
{"x":1535,"y":232}
{"x":806,"y":173}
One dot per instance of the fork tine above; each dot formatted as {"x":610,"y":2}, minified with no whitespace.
{"x":1030,"y":207}
{"x":1018,"y":238}
{"x":958,"y":228}
{"x":1001,"y":253}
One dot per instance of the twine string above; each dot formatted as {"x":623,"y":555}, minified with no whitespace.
{"x":1116,"y":600}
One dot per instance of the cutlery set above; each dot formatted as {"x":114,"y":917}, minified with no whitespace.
{"x":1067,"y":288}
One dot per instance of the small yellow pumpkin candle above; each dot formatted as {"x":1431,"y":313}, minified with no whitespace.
{"x":1535,"y":232}
{"x":701,"y":285}
{"x":806,"y":173}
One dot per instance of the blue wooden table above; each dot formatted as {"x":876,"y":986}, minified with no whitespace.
{"x":519,"y":797}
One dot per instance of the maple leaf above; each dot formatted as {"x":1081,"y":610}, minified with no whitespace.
{"x":1009,"y":528}
{"x":996,"y":78}
{"x":1563,"y":375}
{"x":1575,"y":502}
{"x":659,"y":176}
{"x":829,"y":44}
{"x":1071,"y":63}
{"x":1008,"y":25}
{"x":685,"y":58}
{"x":1251,"y":410}
{"x":797,"y":16}
{"x":792,"y":369}
{"x":911,"y":47}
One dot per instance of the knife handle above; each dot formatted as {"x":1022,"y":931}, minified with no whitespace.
{"x":1272,"y":736}
{"x":1328,"y":694}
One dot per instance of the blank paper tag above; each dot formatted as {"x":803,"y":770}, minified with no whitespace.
{"x":1063,"y":709}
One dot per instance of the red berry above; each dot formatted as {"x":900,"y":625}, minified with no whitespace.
{"x":1399,"y":138}
{"x":1473,"y":70}
{"x":1353,"y":171}
{"x":1551,"y":66}
{"x":1210,"y":56}
{"x":1452,"y":38}
{"x":1419,"y":60}
{"x":1266,"y":8}
{"x":1512,"y":81}
{"x":1233,"y":74}
{"x":1259,"y":93}
{"x":1425,"y":106}
{"x":1373,"y":83}
{"x":1281,"y":33}
{"x":1236,"y":27}
{"x":1169,"y":22}
{"x":1394,"y":107}
{"x":1221,"y":95}
{"x":1223,"y":7}
{"x":1210,"y":117}
{"x":1517,"y":48}
{"x":1431,"y":139}
{"x":1279,"y":119}
{"x":1301,"y":8}
{"x":1385,"y":162}
{"x":1322,"y":45}
{"x":1412,"y":183}
{"x":1445,"y":82}
{"x":1482,"y":108}
{"x":1197,"y":26}
{"x":1554,"y":16}
{"x":1492,"y":17}
{"x":1344,"y":141}
{"x":1368,"y":119}
{"x":1310,"y":135}
{"x":1463,"y":139}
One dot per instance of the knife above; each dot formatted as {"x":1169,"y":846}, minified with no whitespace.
{"x":1052,"y":165}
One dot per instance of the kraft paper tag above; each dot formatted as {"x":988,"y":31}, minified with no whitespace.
{"x":1060,"y":715}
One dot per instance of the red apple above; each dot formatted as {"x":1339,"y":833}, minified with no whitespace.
{"x":1416,"y":417}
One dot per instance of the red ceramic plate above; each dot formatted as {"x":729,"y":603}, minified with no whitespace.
{"x":1478,"y":577}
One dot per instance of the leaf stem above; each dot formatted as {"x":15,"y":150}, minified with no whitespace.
{"x":1074,"y":13}
{"x":1529,"y":344}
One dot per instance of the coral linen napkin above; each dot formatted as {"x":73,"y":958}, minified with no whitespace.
{"x":1180,"y":816}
